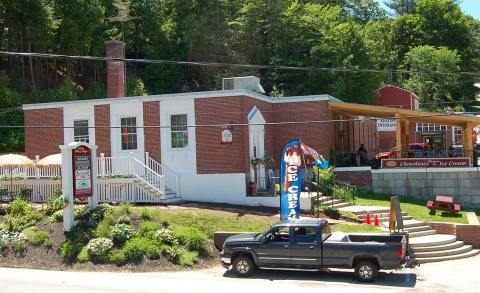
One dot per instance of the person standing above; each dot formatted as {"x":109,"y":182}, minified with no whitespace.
{"x":362,"y":153}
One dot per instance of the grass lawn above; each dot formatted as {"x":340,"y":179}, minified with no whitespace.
{"x":415,"y":208}
{"x":206,"y":221}
{"x":352,"y":228}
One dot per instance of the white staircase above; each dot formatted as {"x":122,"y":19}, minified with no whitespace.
{"x":153,"y":178}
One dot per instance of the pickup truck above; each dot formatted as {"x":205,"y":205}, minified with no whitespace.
{"x":310,"y":245}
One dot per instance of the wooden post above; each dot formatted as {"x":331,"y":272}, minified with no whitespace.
{"x":467,"y":139}
{"x":398,"y":135}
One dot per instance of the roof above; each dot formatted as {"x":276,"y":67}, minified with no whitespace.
{"x":186,"y":96}
{"x":399,"y":88}
{"x":411,"y":115}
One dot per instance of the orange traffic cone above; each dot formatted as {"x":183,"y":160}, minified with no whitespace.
{"x":375,"y":222}
{"x":367,"y":220}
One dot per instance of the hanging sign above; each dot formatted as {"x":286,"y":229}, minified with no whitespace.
{"x":82,"y":172}
{"x":290,"y":180}
{"x":386,"y":124}
{"x":227,"y":137}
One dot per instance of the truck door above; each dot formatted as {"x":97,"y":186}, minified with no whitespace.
{"x":305,"y":246}
{"x":275,"y":248}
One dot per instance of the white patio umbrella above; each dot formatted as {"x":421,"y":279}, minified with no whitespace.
{"x":14,"y":161}
{"x":52,"y":160}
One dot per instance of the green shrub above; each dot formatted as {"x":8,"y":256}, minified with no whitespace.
{"x":165,"y":235}
{"x":330,"y":212}
{"x":187,"y":258}
{"x":19,"y":222}
{"x":98,"y":248}
{"x":48,"y":243}
{"x":118,"y":257}
{"x":173,"y":253}
{"x":146,"y":215}
{"x":326,"y":178}
{"x":16,"y":240}
{"x":18,"y":207}
{"x":148,"y":226}
{"x":55,"y":203}
{"x":191,"y":237}
{"x":123,"y":219}
{"x":19,"y":245}
{"x":121,"y":233}
{"x":3,"y":244}
{"x":345,"y":193}
{"x":69,"y":250}
{"x":125,"y":208}
{"x":135,"y":249}
{"x":57,"y":216}
{"x":35,"y":236}
{"x":83,"y":256}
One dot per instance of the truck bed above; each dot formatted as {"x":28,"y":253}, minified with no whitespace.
{"x":368,"y":238}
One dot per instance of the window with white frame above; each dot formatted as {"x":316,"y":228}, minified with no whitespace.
{"x":457,"y":135}
{"x":80,"y":131}
{"x":429,"y":127}
{"x":179,"y":131}
{"x":129,"y":133}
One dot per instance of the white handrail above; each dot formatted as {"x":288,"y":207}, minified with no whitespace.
{"x":172,"y":181}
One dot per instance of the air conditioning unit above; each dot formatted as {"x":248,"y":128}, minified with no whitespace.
{"x":249,"y":83}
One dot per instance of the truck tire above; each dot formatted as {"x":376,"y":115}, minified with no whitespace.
{"x":366,"y":271}
{"x":243,"y":266}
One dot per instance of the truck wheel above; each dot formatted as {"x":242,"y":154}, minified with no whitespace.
{"x":366,"y":271}
{"x":243,"y":266}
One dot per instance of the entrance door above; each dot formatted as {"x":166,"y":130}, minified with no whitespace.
{"x":256,"y":134}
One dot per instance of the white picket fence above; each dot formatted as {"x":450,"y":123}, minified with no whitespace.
{"x":31,"y":172}
{"x":109,"y":190}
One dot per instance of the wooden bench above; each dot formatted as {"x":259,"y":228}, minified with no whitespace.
{"x":443,"y":203}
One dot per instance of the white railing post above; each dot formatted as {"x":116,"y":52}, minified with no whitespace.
{"x":130,"y":167}
{"x":147,"y":159}
{"x":102,"y":165}
{"x":37,"y":171}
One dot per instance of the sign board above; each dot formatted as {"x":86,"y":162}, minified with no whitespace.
{"x":386,"y":124}
{"x":82,"y":172}
{"x":426,"y":163}
{"x":227,"y":136}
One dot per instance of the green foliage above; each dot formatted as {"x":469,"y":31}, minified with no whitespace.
{"x":125,"y":208}
{"x":146,"y":215}
{"x":345,"y":193}
{"x":191,"y":237}
{"x":137,"y":248}
{"x":55,"y":203}
{"x":48,"y":243}
{"x":118,"y":257}
{"x":325,"y":178}
{"x":35,"y":236}
{"x":187,"y":258}
{"x":20,"y":215}
{"x":329,"y":211}
{"x":69,"y":250}
{"x":18,"y":207}
{"x":124,"y":219}
{"x":83,"y":256}
{"x":165,"y":235}
{"x":121,"y":233}
{"x":148,"y":226}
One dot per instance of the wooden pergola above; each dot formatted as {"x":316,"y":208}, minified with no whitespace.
{"x":404,"y":117}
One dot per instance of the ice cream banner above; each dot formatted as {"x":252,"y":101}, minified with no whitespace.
{"x":290,"y":180}
{"x":291,"y":176}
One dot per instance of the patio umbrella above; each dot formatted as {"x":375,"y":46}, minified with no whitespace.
{"x":12,"y":161}
{"x":52,"y":160}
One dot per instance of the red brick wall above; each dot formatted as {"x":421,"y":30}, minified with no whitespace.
{"x":102,"y":134}
{"x":319,"y":136}
{"x":470,"y":234}
{"x":151,"y":117}
{"x":357,"y":178}
{"x":395,"y":97}
{"x":43,"y":141}
{"x":115,"y":69}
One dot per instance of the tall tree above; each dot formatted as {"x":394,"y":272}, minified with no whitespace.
{"x":401,"y":7}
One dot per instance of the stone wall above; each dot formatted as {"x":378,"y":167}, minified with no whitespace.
{"x":358,"y":176}
{"x":461,"y":183}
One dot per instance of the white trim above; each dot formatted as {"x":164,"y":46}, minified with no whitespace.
{"x":423,"y":170}
{"x":184,"y":96}
{"x":352,"y":169}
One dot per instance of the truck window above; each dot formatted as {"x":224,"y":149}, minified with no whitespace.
{"x":326,"y":232}
{"x":278,"y":234}
{"x":305,"y":234}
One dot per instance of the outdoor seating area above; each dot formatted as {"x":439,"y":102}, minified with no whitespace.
{"x":7,"y":196}
{"x":443,"y":203}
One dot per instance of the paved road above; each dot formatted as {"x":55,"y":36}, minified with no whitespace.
{"x":455,"y":276}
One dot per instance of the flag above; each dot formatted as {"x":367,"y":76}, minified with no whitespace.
{"x":290,"y":180}
{"x":317,"y":159}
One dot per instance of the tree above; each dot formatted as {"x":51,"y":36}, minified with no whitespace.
{"x":401,"y":7}
{"x":433,"y":89}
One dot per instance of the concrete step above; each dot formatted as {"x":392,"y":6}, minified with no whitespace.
{"x":422,"y":233}
{"x":322,"y":198}
{"x":471,"y":253}
{"x":175,"y":200}
{"x":431,"y":240}
{"x":170,"y":195}
{"x":413,"y":223}
{"x":447,"y":246}
{"x":341,"y":205}
{"x":329,"y":202}
{"x":378,"y":211}
{"x":439,"y":253}
{"x":418,"y":229}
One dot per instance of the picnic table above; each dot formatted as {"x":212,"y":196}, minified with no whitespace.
{"x":443,"y":203}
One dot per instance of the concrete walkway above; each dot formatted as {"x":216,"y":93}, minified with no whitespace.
{"x":472,"y":218}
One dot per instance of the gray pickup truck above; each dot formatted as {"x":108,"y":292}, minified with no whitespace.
{"x":310,"y":245}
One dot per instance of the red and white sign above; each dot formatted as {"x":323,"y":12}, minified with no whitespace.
{"x":426,"y":163}
{"x":227,"y":136}
{"x":82,"y":172}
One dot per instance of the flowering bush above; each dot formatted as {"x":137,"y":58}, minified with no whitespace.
{"x":15,"y":240}
{"x":165,"y":235}
{"x":122,"y":232}
{"x":98,"y":248}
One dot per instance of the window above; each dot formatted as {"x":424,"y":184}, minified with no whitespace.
{"x":457,"y":135}
{"x":179,"y":131}
{"x":280,"y":234}
{"x":129,"y":133}
{"x":427,"y":127}
{"x":80,"y":131}
{"x":305,"y":234}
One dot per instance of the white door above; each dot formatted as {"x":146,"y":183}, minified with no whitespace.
{"x":256,"y":134}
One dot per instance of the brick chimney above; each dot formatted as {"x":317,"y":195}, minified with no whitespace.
{"x":115,"y":69}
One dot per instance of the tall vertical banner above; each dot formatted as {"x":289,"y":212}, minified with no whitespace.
{"x":290,"y":180}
